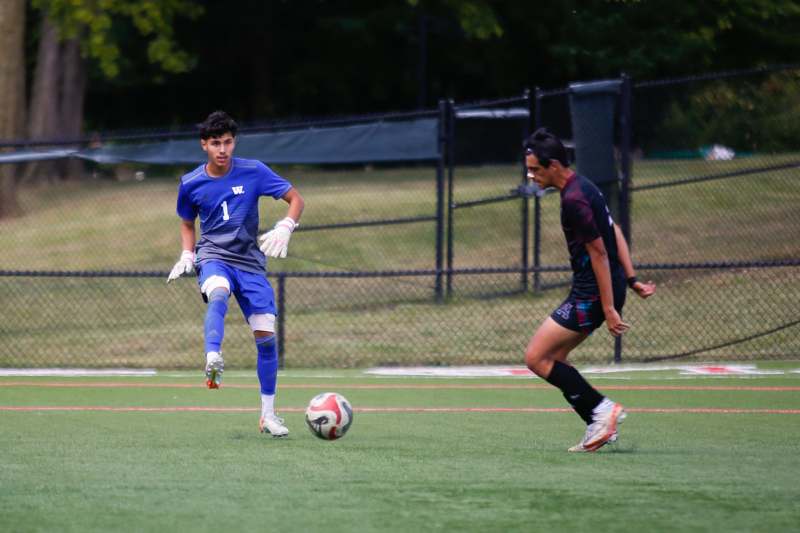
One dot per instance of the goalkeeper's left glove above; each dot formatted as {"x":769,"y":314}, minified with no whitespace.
{"x":275,"y":243}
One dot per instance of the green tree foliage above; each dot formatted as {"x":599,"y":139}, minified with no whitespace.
{"x":94,"y":22}
{"x":268,"y":58}
{"x":660,"y":38}
{"x":477,"y":18}
{"x":746,"y":115}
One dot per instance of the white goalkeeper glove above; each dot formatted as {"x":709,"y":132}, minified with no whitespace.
{"x":275,"y":243}
{"x":185,"y":265}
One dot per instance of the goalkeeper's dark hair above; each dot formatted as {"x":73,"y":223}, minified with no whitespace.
{"x":546,"y":147}
{"x":217,"y":124}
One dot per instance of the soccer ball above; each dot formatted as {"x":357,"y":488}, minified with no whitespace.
{"x":329,"y":415}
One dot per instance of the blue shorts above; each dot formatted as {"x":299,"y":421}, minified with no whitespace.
{"x":584,"y":314}
{"x":252,"y":291}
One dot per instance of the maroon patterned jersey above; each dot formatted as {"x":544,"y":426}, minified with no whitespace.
{"x":584,"y":218}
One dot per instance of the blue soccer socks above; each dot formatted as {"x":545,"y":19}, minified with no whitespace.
{"x":215,"y":319}
{"x":267,"y":365}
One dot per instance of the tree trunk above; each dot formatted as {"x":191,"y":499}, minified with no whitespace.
{"x":73,"y":91}
{"x":12,"y":94}
{"x":45,"y":97}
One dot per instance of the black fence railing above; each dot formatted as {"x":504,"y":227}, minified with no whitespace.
{"x":453,"y":261}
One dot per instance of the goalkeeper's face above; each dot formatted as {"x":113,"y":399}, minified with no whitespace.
{"x":219,"y":149}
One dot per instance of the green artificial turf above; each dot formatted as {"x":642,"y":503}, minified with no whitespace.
{"x":456,"y":469}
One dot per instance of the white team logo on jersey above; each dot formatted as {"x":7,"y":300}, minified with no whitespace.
{"x":239,"y":189}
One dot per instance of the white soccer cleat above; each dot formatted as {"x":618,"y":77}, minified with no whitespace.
{"x":273,"y":425}
{"x":214,"y":368}
{"x":603,"y":429}
{"x":581,"y":448}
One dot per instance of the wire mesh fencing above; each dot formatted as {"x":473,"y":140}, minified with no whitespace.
{"x":714,"y":204}
{"x":440,"y":262}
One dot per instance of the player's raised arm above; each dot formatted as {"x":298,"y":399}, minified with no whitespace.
{"x":275,"y":243}
{"x":185,"y":264}
{"x":644,"y":290}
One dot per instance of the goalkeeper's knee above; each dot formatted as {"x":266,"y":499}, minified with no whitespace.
{"x":213,"y":283}
{"x":262,"y":322}
{"x":218,"y":294}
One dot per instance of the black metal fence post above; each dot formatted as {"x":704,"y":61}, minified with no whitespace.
{"x":440,"y":171}
{"x":536,"y":113}
{"x":281,"y":318}
{"x":451,"y":156}
{"x":625,"y":123}
{"x":525,"y":211}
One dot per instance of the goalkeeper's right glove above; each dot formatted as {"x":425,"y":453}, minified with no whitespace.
{"x":185,"y":265}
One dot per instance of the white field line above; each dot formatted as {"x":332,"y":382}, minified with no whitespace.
{"x":190,"y":409}
{"x":391,"y":386}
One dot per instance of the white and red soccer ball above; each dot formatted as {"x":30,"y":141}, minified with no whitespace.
{"x":329,"y":415}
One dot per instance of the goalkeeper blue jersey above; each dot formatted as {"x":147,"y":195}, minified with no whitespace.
{"x":228,"y":211}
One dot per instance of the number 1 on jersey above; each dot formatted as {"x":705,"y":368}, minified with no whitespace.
{"x":225,"y":215}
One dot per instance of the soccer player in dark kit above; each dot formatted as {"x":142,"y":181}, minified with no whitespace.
{"x":602,"y":270}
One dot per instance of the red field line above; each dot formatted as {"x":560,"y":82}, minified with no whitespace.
{"x":391,"y":386}
{"x":190,"y":409}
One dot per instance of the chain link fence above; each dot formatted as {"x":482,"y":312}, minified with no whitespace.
{"x":714,"y":211}
{"x":442,"y":262}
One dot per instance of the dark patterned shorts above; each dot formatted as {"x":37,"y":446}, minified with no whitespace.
{"x":585,"y":314}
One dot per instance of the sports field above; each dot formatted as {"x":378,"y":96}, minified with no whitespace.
{"x":162,"y":453}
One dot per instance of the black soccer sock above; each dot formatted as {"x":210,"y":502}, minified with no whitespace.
{"x":580,"y":395}
{"x":583,"y":413}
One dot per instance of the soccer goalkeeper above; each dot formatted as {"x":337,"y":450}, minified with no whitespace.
{"x":224,"y":193}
